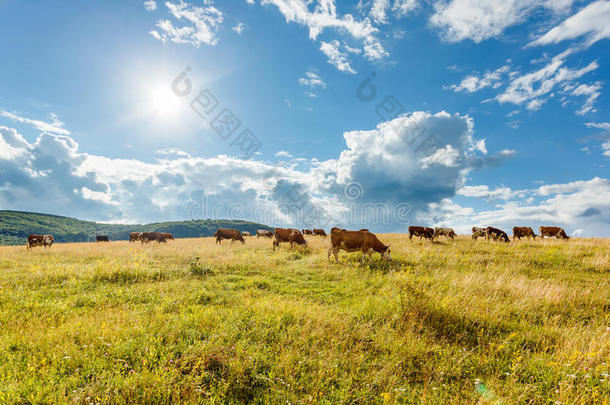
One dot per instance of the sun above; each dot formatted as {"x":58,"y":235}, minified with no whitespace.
{"x":164,"y":104}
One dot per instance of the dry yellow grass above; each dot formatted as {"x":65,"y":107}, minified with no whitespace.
{"x":192,"y":321}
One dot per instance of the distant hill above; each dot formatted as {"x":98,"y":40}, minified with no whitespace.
{"x":15,"y":226}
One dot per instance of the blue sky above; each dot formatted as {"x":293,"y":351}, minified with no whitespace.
{"x":510,"y":96}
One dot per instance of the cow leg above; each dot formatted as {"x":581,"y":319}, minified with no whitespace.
{"x":336,"y":253}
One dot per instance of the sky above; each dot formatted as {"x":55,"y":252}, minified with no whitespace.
{"x":309,"y":113}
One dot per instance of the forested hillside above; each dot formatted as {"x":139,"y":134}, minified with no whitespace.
{"x":15,"y":227}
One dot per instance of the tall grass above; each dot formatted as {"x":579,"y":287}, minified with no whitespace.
{"x":191,"y":321}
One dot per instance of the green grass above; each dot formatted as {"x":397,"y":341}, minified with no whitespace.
{"x":452,"y":322}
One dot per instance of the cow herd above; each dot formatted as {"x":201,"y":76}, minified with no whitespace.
{"x":489,"y":233}
{"x":340,"y":239}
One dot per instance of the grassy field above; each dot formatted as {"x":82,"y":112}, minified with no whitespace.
{"x":450,"y":322}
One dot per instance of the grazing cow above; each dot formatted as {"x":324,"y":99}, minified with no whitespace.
{"x":244,"y":233}
{"x":134,"y":236}
{"x":232,"y":234}
{"x":551,"y":231}
{"x":523,"y":232}
{"x":495,"y":234}
{"x":264,"y":233}
{"x":168,"y":236}
{"x":307,"y":232}
{"x":319,"y":232}
{"x":289,"y":235}
{"x":364,"y":230}
{"x":448,"y":232}
{"x":478,"y":233}
{"x":158,"y":237}
{"x":40,"y":240}
{"x":422,"y":232}
{"x":102,"y":238}
{"x":356,"y":241}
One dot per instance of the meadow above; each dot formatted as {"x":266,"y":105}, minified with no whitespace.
{"x":192,"y":322}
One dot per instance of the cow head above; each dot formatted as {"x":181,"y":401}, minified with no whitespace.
{"x":385,"y":253}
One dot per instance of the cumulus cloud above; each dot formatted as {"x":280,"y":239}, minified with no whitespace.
{"x":396,"y":166}
{"x":202,"y":24}
{"x":591,"y":22}
{"x":479,"y":20}
{"x":405,"y":170}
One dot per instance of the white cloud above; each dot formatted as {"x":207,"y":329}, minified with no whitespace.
{"x":385,"y":162}
{"x":202,"y":26}
{"x":474,"y":83}
{"x":599,"y":125}
{"x":605,"y":137}
{"x":400,"y":8}
{"x":336,"y":57}
{"x":403,"y":7}
{"x":483,"y":191}
{"x":591,"y":22}
{"x":312,"y":80}
{"x":55,"y":126}
{"x":150,"y":5}
{"x":392,"y":164}
{"x":323,"y":17}
{"x":283,"y":154}
{"x":479,"y":20}
{"x":592,"y":92}
{"x":533,"y":89}
{"x":239,"y":28}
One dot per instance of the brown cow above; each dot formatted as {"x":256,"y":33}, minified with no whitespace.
{"x":232,"y":234}
{"x":319,"y":232}
{"x":422,"y":232}
{"x":354,"y":241}
{"x":102,"y":238}
{"x":307,"y":232}
{"x":551,"y":231}
{"x":40,"y":240}
{"x":168,"y":236}
{"x":523,"y":232}
{"x":495,"y":234}
{"x":364,"y":230}
{"x":158,"y":237}
{"x":290,"y":235}
{"x":448,"y":232}
{"x":478,"y":232}
{"x":264,"y":233}
{"x":245,"y":233}
{"x":134,"y":236}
